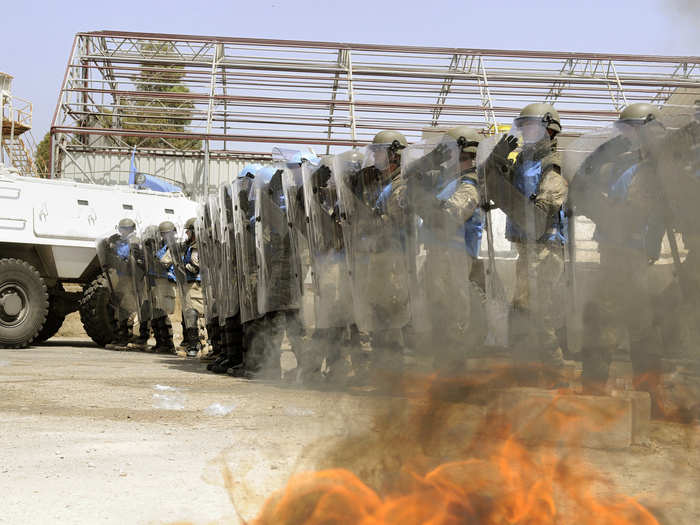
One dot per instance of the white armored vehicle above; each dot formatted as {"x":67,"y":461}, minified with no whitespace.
{"x":47,"y":238}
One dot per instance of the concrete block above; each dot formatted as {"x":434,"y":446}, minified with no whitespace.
{"x":478,"y":364}
{"x":548,"y":416}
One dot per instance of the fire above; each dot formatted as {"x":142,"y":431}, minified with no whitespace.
{"x":497,"y":478}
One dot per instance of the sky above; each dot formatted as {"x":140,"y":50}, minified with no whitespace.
{"x":37,"y":35}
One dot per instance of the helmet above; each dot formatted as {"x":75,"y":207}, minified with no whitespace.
{"x":639,"y":113}
{"x":166,"y":227}
{"x":189,"y":225}
{"x":127,"y":226}
{"x":467,"y":138}
{"x":249,"y":170}
{"x":545,"y":112}
{"x":395,"y":139}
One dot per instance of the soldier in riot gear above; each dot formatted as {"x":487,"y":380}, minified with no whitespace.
{"x":677,"y":156}
{"x":184,"y":257}
{"x":229,"y":310}
{"x":278,"y":278}
{"x":443,"y":194}
{"x":371,"y":202}
{"x":532,"y":192}
{"x":618,"y":190}
{"x":117,"y":263}
{"x":210,"y":283}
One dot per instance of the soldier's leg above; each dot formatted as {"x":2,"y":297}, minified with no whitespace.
{"x":193,"y":307}
{"x":214,"y":335}
{"x":163,"y":331}
{"x":519,"y":325}
{"x":236,"y":353}
{"x":549,"y":271}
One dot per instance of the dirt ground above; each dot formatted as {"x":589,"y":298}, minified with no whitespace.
{"x":94,"y":436}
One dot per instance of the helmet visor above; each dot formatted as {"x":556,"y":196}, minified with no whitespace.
{"x":529,"y":129}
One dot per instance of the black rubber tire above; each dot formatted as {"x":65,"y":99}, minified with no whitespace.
{"x":96,"y":312}
{"x":24,"y":277}
{"x":54,"y":319}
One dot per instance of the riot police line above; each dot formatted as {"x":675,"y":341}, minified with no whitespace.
{"x":361,"y":257}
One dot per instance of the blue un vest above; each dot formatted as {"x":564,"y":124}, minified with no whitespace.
{"x":527,"y":181}
{"x":473,"y":228}
{"x":187,"y":258}
{"x":170,"y":273}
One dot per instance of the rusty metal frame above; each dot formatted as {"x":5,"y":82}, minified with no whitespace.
{"x":249,"y":93}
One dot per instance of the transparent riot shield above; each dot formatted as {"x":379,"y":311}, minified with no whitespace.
{"x":139,"y":279}
{"x":444,"y":197}
{"x":208,"y":263}
{"x":159,"y":277}
{"x":244,"y":228}
{"x":372,"y":203}
{"x":278,"y":277}
{"x":292,"y":186}
{"x":229,"y":281}
{"x":217,"y":273}
{"x":496,"y":305}
{"x":116,"y":262}
{"x":332,"y":293}
{"x":179,"y":254}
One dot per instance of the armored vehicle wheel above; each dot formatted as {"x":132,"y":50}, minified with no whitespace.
{"x":96,"y":313}
{"x":54,"y":319}
{"x":24,"y":303}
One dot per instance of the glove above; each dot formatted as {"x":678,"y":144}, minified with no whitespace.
{"x":321,"y":176}
{"x":505,"y":146}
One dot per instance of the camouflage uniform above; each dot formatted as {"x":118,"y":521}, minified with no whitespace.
{"x":539,"y":269}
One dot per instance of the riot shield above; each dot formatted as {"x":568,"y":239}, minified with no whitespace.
{"x":114,"y":251}
{"x":227,"y":266}
{"x":160,"y":281}
{"x":292,"y":186}
{"x":373,"y":220}
{"x":208,"y":263}
{"x":244,"y":227}
{"x":444,"y":200}
{"x":516,"y":202}
{"x":139,"y":277}
{"x":332,"y":295}
{"x":278,"y":277}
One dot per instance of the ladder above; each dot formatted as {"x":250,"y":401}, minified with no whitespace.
{"x":19,"y":155}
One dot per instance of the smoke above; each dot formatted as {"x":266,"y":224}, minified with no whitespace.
{"x":685,"y":17}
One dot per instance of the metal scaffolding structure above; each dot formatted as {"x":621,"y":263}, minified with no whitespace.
{"x":235,"y":97}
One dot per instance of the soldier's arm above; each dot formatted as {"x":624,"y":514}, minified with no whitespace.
{"x":462,"y":203}
{"x":193,"y":265}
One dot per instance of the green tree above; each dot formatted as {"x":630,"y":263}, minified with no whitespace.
{"x":162,"y":113}
{"x":42,"y":155}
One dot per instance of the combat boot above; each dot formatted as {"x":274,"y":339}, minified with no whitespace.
{"x":120,"y":340}
{"x":222,"y":363}
{"x":140,"y":342}
{"x":192,"y":343}
{"x":164,"y":336}
{"x":214,"y":333}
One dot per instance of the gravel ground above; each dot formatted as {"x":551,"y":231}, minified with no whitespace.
{"x":93,"y":436}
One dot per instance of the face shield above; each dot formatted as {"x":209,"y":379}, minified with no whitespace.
{"x":529,"y":130}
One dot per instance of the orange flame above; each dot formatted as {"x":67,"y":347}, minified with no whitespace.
{"x":498,"y":480}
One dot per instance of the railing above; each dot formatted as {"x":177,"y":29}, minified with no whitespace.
{"x":17,"y":110}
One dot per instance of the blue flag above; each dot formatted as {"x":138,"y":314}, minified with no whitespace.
{"x":132,"y":171}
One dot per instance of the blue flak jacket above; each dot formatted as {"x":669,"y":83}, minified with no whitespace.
{"x":527,"y":181}
{"x":187,"y":259}
{"x":473,"y":228}
{"x":170,"y":272}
